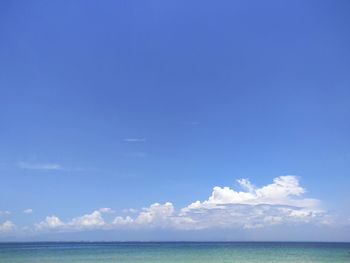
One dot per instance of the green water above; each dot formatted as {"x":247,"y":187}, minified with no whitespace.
{"x":174,"y":252}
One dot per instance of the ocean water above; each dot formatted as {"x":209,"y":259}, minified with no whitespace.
{"x":174,"y":252}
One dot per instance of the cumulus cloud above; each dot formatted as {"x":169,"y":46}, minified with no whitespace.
{"x":93,"y":220}
{"x":7,"y":226}
{"x":50,"y":222}
{"x":151,"y":215}
{"x":123,"y":220}
{"x":40,"y":166}
{"x":280,"y":202}
{"x":285,"y":190}
{"x":156,"y":215}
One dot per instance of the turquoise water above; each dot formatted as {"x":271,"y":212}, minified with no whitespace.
{"x":174,"y":252}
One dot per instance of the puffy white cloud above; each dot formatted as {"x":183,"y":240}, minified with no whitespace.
{"x":87,"y":221}
{"x":28,"y":211}
{"x":156,"y":215}
{"x":123,"y":220}
{"x":50,"y":222}
{"x":285,"y":190}
{"x":93,"y":220}
{"x":7,"y":226}
{"x":280,"y":202}
{"x":277,"y":203}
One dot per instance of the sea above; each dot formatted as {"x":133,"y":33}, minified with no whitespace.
{"x":91,"y":252}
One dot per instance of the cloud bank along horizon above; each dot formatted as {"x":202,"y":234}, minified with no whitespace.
{"x":281,"y":202}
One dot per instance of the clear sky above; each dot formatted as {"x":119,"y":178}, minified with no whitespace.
{"x":117,"y":116}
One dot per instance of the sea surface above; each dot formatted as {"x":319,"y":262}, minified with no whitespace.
{"x":174,"y":252}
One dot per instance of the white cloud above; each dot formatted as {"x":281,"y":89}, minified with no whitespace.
{"x":252,"y":216}
{"x":5,"y":213}
{"x":28,"y":211}
{"x":88,"y":221}
{"x":135,"y":140}
{"x":40,"y":166}
{"x":123,"y":220}
{"x":7,"y":226}
{"x":129,"y":210}
{"x":93,"y":220}
{"x":280,"y":202}
{"x":285,"y":190}
{"x":106,"y":210}
{"x":194,"y":122}
{"x":156,"y":215}
{"x":50,"y":222}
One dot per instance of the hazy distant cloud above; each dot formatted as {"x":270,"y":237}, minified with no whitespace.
{"x":280,"y":202}
{"x":7,"y":226}
{"x":28,"y":211}
{"x":135,"y":140}
{"x":136,"y":154}
{"x":106,"y":210}
{"x":40,"y":166}
{"x":195,"y":123}
{"x":5,"y":213}
{"x":129,"y":210}
{"x":253,"y":216}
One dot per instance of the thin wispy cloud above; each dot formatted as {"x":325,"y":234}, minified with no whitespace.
{"x":40,"y":166}
{"x":28,"y":211}
{"x":136,"y":154}
{"x":195,"y":123}
{"x":134,"y":140}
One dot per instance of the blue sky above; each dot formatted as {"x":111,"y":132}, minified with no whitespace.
{"x":124,"y":104}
